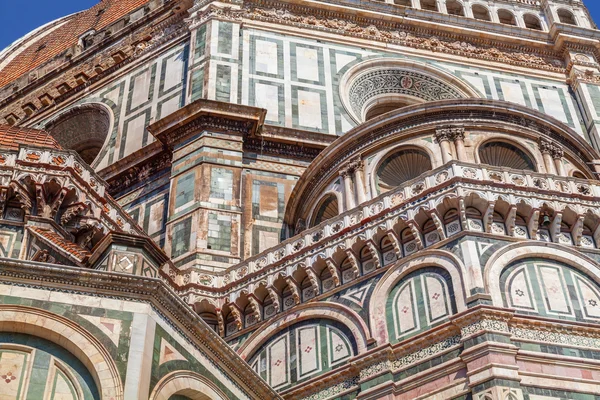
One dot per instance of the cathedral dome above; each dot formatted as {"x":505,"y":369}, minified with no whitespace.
{"x":52,"y":39}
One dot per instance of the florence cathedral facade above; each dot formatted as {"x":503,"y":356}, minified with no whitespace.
{"x":308,"y":200}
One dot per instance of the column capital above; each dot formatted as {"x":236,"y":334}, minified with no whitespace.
{"x":551,"y":148}
{"x":449,"y":133}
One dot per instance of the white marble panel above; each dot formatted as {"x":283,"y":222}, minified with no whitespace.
{"x":267,"y":96}
{"x":266,"y":57}
{"x":307,"y":63}
{"x":309,"y":109}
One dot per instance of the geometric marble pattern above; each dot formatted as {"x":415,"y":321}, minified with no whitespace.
{"x":417,"y":302}
{"x":110,"y":327}
{"x":302,"y":351}
{"x":358,"y":295}
{"x":168,"y":353}
{"x":551,"y":289}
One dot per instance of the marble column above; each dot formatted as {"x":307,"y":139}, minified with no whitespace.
{"x":546,"y":148}
{"x":442,"y":137}
{"x":346,"y":174}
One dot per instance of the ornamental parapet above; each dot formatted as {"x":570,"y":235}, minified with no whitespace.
{"x":34,"y":166}
{"x":530,"y":194}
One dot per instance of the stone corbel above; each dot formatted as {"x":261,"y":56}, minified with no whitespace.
{"x":275,"y":298}
{"x":334,"y":270}
{"x":511,"y":220}
{"x":3,"y":200}
{"x":375,"y":253}
{"x":488,"y":218}
{"x":293,"y":285}
{"x":354,"y":263}
{"x":237,"y":315}
{"x":555,"y":226}
{"x":577,"y":231}
{"x":57,"y":202}
{"x":439,"y":225}
{"x":463,"y":213}
{"x":533,"y":223}
{"x":256,"y":307}
{"x":396,"y":243}
{"x":417,"y":235}
{"x":314,"y":281}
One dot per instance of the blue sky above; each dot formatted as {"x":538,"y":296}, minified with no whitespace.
{"x":17,"y":17}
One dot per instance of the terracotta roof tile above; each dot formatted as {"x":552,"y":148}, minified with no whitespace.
{"x":11,"y":137}
{"x":38,"y":52}
{"x":54,"y":238}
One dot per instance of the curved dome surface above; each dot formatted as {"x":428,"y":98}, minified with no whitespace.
{"x":40,"y":47}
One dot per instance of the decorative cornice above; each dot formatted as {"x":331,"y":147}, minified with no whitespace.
{"x":381,"y":30}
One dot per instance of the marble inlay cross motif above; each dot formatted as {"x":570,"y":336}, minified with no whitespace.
{"x":277,"y":363}
{"x":8,"y":377}
{"x":405,"y":309}
{"x":308,"y":349}
{"x":436,"y":296}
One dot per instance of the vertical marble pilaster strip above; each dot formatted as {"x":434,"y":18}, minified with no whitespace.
{"x":139,"y":366}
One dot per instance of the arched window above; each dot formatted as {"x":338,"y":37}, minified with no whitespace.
{"x":429,"y":5}
{"x":501,"y":154}
{"x":579,"y":175}
{"x":507,"y":18}
{"x":532,"y":22}
{"x":400,"y":167}
{"x":83,"y":129}
{"x":481,"y":13}
{"x":419,"y":301}
{"x":455,"y":8}
{"x":327,"y":208}
{"x":303,"y":351}
{"x":544,"y":287}
{"x":566,"y":17}
{"x":35,"y":365}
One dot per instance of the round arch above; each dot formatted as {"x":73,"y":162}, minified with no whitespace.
{"x":375,"y":81}
{"x":331,"y":197}
{"x":423,"y":259}
{"x":72,"y":337}
{"x":85,"y":128}
{"x":378,"y":162}
{"x":323,"y":310}
{"x":514,"y":252}
{"x":505,"y":153}
{"x":189,"y":384}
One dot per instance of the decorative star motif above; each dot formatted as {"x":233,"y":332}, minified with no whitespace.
{"x":592,"y":303}
{"x":338,"y":348}
{"x":519,"y":293}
